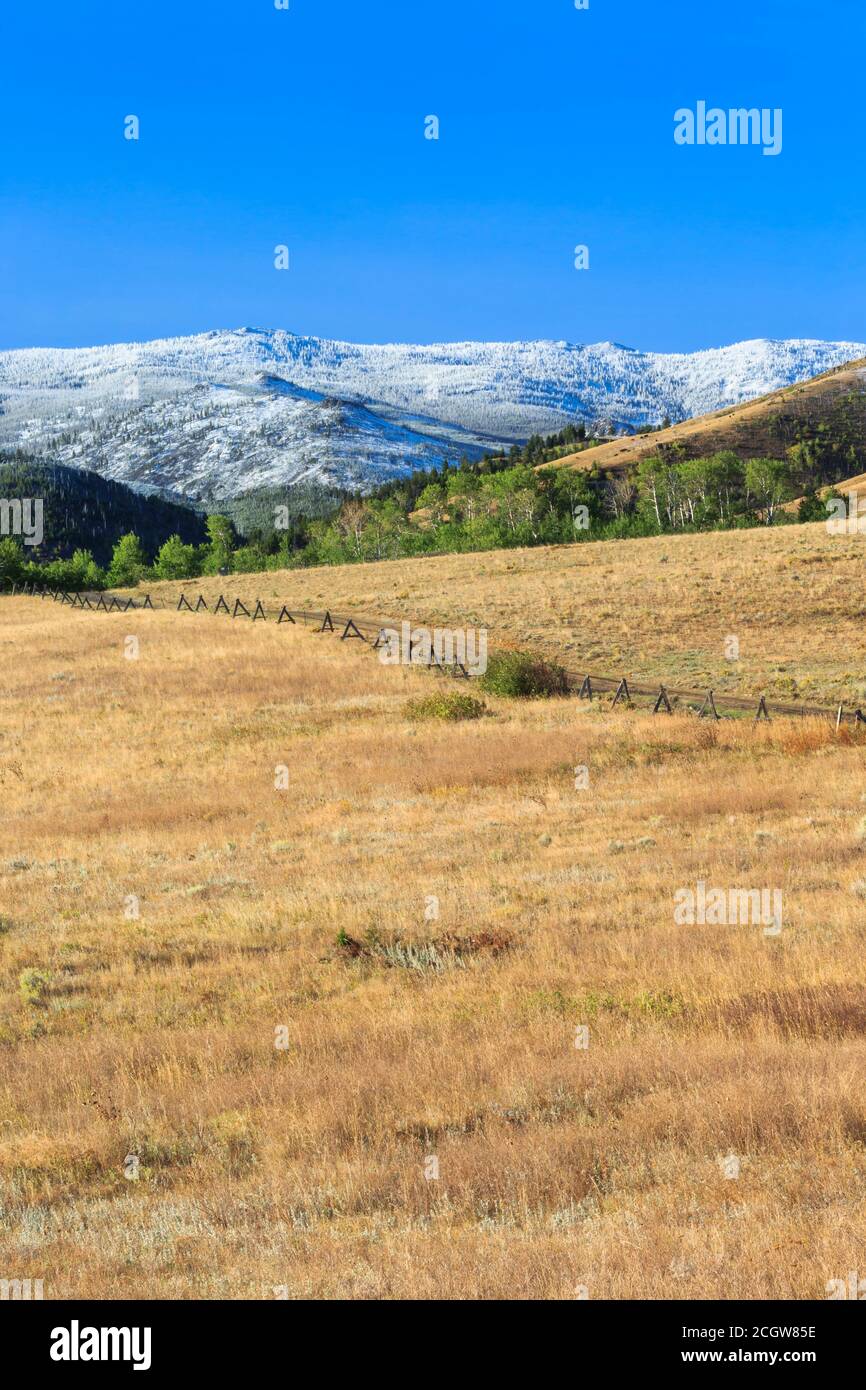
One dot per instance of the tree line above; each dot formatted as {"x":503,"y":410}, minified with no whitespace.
{"x":500,"y":502}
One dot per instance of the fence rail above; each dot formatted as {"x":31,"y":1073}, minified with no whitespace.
{"x":587,"y":684}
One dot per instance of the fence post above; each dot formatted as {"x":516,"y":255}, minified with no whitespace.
{"x":762,"y":712}
{"x":708,"y":708}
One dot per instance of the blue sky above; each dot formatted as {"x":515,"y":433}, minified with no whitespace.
{"x":305,"y":127}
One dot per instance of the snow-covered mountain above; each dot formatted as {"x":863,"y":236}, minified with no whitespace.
{"x":223,"y":413}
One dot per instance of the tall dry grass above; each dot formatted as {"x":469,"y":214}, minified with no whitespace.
{"x":411,"y":1037}
{"x":660,"y":609}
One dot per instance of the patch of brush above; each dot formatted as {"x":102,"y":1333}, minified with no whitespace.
{"x":449,"y":951}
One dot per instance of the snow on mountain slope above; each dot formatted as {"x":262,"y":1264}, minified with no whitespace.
{"x":224,"y":412}
{"x":219,"y":441}
{"x":214,"y":440}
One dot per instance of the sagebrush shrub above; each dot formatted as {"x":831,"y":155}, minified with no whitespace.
{"x":445,"y":704}
{"x":32,"y":984}
{"x":523,"y":675}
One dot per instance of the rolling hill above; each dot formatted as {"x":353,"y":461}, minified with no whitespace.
{"x":828,"y":412}
{"x":657,"y":609}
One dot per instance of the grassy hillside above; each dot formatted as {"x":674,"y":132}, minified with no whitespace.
{"x":828,"y":412}
{"x":659,"y":609}
{"x":155,"y":1142}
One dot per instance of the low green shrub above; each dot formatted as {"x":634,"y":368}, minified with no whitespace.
{"x":32,"y":985}
{"x":523,"y":675}
{"x":445,"y":704}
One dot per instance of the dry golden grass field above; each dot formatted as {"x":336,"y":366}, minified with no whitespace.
{"x":432,"y":913}
{"x":655,"y":609}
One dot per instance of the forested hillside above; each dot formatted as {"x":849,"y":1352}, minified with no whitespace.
{"x":83,"y":511}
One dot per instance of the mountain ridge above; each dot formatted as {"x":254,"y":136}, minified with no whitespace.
{"x":225,"y":412}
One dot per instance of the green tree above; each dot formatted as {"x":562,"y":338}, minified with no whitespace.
{"x":768,"y":485}
{"x":464,"y":491}
{"x":85,"y":572}
{"x":573,"y":495}
{"x":384,"y":529}
{"x":221,"y":538}
{"x":708,"y":487}
{"x":250,"y":559}
{"x":128,"y":562}
{"x":819,"y":508}
{"x":351,"y":522}
{"x":176,"y":560}
{"x":660,"y":492}
{"x":516,"y":493}
{"x":11,"y":560}
{"x":726,"y":478}
{"x":432,"y":499}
